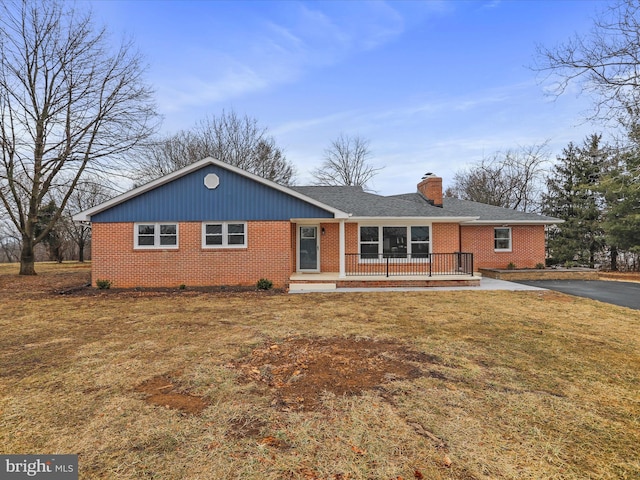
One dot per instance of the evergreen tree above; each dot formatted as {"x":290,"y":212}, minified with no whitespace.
{"x":621,"y":189}
{"x":573,"y":195}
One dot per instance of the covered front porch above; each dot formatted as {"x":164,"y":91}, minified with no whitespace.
{"x":396,"y":256}
{"x":380,"y":271}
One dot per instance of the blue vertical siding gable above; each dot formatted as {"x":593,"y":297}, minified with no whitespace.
{"x":187,"y":199}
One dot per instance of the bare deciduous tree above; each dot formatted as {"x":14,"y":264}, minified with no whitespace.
{"x":68,"y":104}
{"x":88,"y":193}
{"x":9,"y":241}
{"x":604,"y":61}
{"x":238,"y":141}
{"x":346,"y":162}
{"x":512,"y":179}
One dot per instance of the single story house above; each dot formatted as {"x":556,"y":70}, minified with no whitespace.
{"x":214,"y":224}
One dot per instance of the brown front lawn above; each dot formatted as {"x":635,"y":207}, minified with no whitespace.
{"x":185,"y":384}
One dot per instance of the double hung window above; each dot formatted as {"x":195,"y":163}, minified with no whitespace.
{"x":420,"y":242}
{"x":502,"y":239}
{"x":369,"y":242}
{"x":156,"y":235}
{"x":224,"y":235}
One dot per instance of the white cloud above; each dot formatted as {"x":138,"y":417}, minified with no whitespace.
{"x":311,"y":123}
{"x":377,"y":25}
{"x":492,"y":4}
{"x":189,"y":91}
{"x":277,"y":51}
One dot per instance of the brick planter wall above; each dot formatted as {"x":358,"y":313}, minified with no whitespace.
{"x":546,"y":274}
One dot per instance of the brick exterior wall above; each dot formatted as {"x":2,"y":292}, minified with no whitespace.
{"x":527,"y":246}
{"x":268,"y":255}
{"x":445,"y":238}
{"x":330,"y":247}
{"x":351,"y":238}
{"x":271,"y":253}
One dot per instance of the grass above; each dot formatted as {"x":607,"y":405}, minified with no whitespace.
{"x":513,"y":384}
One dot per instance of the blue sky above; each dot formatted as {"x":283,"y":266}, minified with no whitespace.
{"x":434,"y":85}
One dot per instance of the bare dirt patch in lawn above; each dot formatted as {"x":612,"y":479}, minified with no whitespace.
{"x":164,"y":391}
{"x":300,"y":371}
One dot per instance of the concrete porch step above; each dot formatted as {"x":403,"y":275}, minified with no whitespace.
{"x":311,"y":287}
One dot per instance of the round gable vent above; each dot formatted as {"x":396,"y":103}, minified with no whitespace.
{"x":211,"y":181}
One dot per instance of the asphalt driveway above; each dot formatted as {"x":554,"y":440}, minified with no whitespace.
{"x":625,"y":294}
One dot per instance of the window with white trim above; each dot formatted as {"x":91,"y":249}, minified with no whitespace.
{"x":155,"y":235}
{"x":224,"y":235}
{"x":411,"y":242}
{"x":420,"y":242}
{"x":502,"y":239}
{"x":369,"y":242}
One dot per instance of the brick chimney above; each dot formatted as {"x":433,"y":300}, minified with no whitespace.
{"x":431,"y":188}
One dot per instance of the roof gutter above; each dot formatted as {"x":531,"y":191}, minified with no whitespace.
{"x":415,"y":219}
{"x":513,"y":222}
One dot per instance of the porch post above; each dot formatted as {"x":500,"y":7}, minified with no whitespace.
{"x":342,"y":250}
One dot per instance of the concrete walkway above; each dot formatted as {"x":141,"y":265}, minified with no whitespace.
{"x":485,"y":284}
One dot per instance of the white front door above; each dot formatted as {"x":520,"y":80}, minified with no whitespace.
{"x":308,"y":248}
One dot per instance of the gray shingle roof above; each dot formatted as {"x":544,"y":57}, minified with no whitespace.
{"x":482,"y":211}
{"x":490,"y":212}
{"x":358,"y":203}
